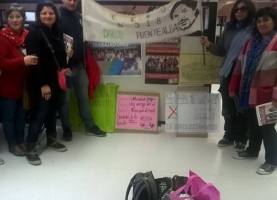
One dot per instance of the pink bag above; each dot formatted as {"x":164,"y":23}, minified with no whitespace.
{"x":199,"y":190}
{"x":64,"y":78}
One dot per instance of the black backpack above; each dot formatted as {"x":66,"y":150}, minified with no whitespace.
{"x":146,"y":187}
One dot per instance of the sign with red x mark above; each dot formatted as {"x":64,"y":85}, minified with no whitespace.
{"x":173,"y":114}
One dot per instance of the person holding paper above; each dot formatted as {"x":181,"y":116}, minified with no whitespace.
{"x":237,"y":31}
{"x":14,"y":68}
{"x":71,"y":25}
{"x":254,"y":80}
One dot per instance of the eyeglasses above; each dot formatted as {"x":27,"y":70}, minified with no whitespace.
{"x":241,"y":9}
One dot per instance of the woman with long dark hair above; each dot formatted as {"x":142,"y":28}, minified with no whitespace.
{"x":254,"y":81}
{"x":43,"y":79}
{"x":237,"y":31}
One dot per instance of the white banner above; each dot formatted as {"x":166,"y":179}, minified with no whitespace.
{"x":198,"y":112}
{"x":178,"y":18}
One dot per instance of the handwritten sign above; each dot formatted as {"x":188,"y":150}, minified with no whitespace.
{"x":192,"y":112}
{"x":137,"y":111}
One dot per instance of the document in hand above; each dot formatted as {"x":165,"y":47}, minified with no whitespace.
{"x":266,"y":114}
{"x":68,"y":42}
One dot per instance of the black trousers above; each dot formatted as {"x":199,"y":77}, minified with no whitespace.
{"x":236,"y":124}
{"x":257,"y":134}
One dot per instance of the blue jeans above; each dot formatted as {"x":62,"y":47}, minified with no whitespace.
{"x":80,"y":84}
{"x":13,"y":120}
{"x":45,"y":112}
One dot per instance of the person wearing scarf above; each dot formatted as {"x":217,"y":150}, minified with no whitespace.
{"x":237,"y":31}
{"x":13,"y":65}
{"x":43,"y":78}
{"x":254,"y":80}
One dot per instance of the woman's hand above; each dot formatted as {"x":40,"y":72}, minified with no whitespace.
{"x":204,"y":41}
{"x":274,"y":104}
{"x":46,"y":92}
{"x":232,"y":95}
{"x":70,"y":53}
{"x":30,"y":60}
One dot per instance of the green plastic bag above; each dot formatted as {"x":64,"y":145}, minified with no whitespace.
{"x":102,"y":107}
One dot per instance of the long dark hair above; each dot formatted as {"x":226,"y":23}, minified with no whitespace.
{"x":250,"y":8}
{"x":269,"y":12}
{"x":50,"y":4}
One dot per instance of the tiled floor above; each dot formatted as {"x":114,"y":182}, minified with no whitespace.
{"x":100,"y":168}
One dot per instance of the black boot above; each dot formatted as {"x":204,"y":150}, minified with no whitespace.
{"x":52,"y":143}
{"x":31,"y":154}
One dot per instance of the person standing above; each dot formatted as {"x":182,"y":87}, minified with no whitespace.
{"x":237,"y":31}
{"x":71,"y":25}
{"x":254,"y":80}
{"x":14,"y":66}
{"x":43,"y":78}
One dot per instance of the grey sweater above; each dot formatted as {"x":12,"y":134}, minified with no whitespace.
{"x":223,"y":46}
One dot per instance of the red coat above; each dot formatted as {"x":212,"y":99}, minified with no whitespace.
{"x":93,"y":73}
{"x":13,"y":70}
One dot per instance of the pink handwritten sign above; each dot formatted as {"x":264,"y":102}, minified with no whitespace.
{"x":137,"y":112}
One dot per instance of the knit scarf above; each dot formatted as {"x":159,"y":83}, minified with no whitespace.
{"x":253,"y":57}
{"x":16,"y":39}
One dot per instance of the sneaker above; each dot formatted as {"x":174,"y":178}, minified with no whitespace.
{"x":266,"y":169}
{"x":239,"y":147}
{"x":95,"y":131}
{"x":33,"y":158}
{"x":52,"y":143}
{"x":67,"y":134}
{"x":1,"y":161}
{"x":243,"y":155}
{"x":17,"y":151}
{"x":31,"y":154}
{"x":224,"y":143}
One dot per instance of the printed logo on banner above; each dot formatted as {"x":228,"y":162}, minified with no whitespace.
{"x":177,"y":18}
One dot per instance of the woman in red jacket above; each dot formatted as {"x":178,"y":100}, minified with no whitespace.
{"x":13,"y":66}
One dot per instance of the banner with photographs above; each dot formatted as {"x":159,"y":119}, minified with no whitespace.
{"x":177,"y":18}
{"x":117,"y":59}
{"x":162,"y":62}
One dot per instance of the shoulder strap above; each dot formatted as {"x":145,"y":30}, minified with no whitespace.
{"x":51,"y":49}
{"x":130,"y":186}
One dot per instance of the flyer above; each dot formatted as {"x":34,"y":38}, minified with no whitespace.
{"x":162,"y":62}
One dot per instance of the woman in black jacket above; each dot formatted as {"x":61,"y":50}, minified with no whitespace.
{"x":43,"y":79}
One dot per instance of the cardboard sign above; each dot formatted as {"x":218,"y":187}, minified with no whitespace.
{"x":137,"y":111}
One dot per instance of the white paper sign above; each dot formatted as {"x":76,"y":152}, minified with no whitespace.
{"x":198,"y":112}
{"x":171,"y":112}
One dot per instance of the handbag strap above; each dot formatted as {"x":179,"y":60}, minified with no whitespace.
{"x":51,"y":49}
{"x":131,"y":184}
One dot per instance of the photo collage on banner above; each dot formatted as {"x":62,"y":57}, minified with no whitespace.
{"x":162,"y":62}
{"x":117,"y":59}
